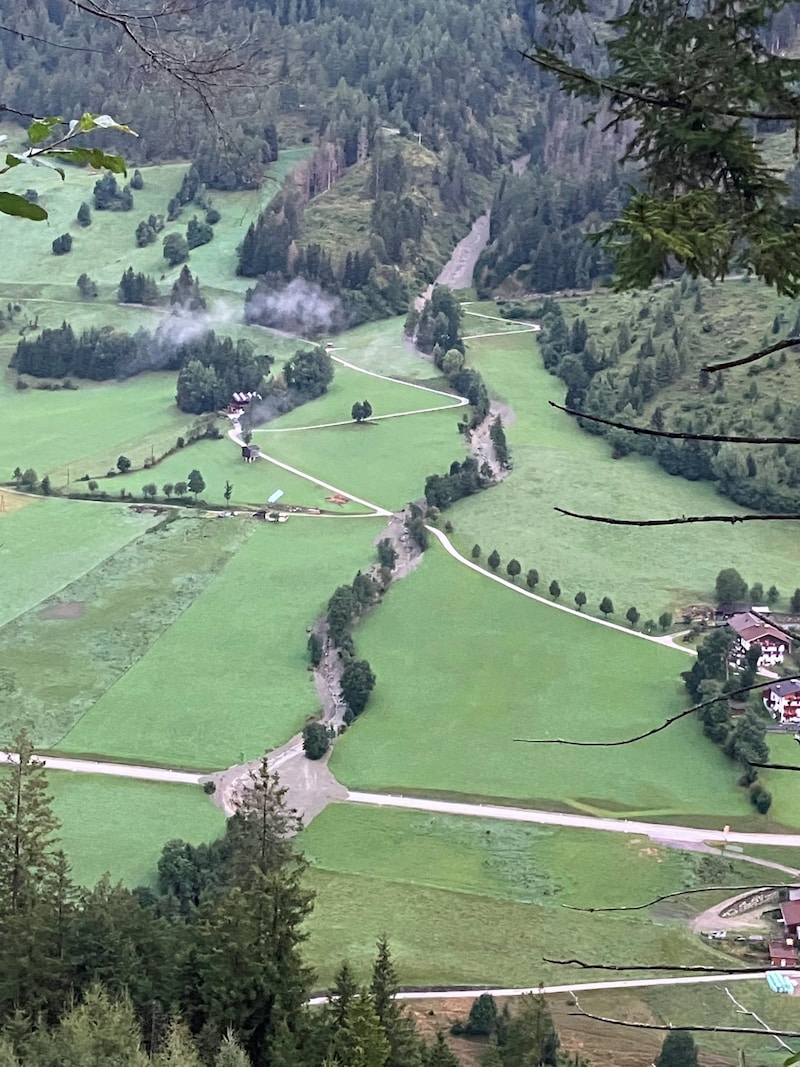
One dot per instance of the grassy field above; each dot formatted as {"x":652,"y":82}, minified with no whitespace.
{"x":60,"y":657}
{"x":107,"y":247}
{"x":557,"y":464}
{"x":229,"y":678}
{"x":348,"y":386}
{"x":506,"y":861}
{"x":465,"y":903}
{"x":50,"y":543}
{"x":220,"y":462}
{"x":120,"y":826}
{"x":385,"y":463}
{"x":380,"y":347}
{"x":84,"y":431}
{"x":491,"y":666}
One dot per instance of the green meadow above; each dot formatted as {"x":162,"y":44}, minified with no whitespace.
{"x":490,"y":666}
{"x":385,"y":463}
{"x":107,"y":247}
{"x":558,"y":465}
{"x":84,"y":431}
{"x":472,"y":901}
{"x":120,"y":825}
{"x":386,"y":398}
{"x":229,"y":678}
{"x":49,"y":543}
{"x":220,"y":462}
{"x":62,"y":655}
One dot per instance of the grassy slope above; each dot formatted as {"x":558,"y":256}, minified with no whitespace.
{"x":107,"y":247}
{"x":84,"y":431}
{"x":50,"y":543}
{"x":490,"y":666}
{"x":119,"y":825}
{"x":340,"y":217}
{"x":555,"y":463}
{"x":230,"y":676}
{"x":57,"y":665}
{"x":220,"y":462}
{"x":464,"y":901}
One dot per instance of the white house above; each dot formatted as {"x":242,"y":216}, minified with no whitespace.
{"x":782,"y":701}
{"x":751,"y":630}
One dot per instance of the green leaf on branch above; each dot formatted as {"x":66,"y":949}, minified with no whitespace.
{"x":11,"y":204}
{"x":15,"y":158}
{"x":89,"y":122}
{"x":94,"y":157}
{"x":41,"y":129}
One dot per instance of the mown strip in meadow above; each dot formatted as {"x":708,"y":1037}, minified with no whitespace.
{"x":229,"y":679}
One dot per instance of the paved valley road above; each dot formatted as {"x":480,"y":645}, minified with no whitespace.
{"x":657,"y":831}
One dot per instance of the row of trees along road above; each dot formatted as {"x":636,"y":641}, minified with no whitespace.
{"x":532,"y":579}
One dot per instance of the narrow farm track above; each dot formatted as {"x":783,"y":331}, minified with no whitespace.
{"x":456,"y":402}
{"x":575,"y":987}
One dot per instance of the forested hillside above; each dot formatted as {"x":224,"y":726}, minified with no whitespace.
{"x":415,"y":111}
{"x":636,"y":359}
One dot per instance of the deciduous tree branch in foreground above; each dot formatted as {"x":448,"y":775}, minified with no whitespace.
{"x":691,"y":1029}
{"x":654,"y":967}
{"x":656,"y":729}
{"x":682,"y":521}
{"x":790,"y":342}
{"x":676,"y":435}
{"x":685,"y":893}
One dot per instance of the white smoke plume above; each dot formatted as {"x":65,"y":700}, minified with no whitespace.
{"x":300,"y":307}
{"x":182,"y":325}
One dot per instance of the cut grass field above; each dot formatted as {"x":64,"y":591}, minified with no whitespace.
{"x":386,"y":463}
{"x":462,"y":903}
{"x":557,"y":464}
{"x":491,"y":666}
{"x":220,"y":462}
{"x":50,"y":543}
{"x":119,"y":826}
{"x":230,"y":678}
{"x":61,"y":656}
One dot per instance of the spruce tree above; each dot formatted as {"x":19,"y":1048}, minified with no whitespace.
{"x":361,"y":1041}
{"x":404,"y":1046}
{"x":345,"y":988}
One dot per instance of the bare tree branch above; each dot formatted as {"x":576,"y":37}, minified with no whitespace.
{"x":789,"y":342}
{"x":656,"y":729}
{"x":686,"y":892}
{"x":682,"y":521}
{"x":675,"y":435}
{"x":767,"y":1029}
{"x":199,"y":72}
{"x":51,"y":44}
{"x":777,"y":766}
{"x":653,"y":967}
{"x":625,"y":92}
{"x":691,"y":1029}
